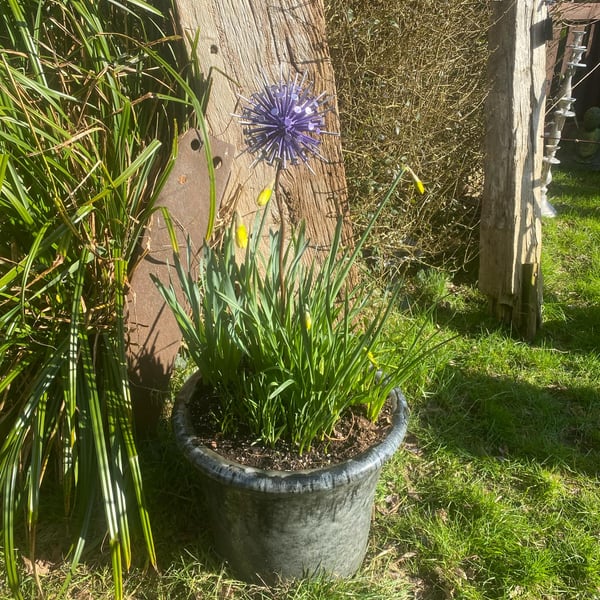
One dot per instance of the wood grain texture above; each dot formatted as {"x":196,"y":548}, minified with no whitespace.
{"x":581,"y":12}
{"x":239,"y":41}
{"x":511,"y":215}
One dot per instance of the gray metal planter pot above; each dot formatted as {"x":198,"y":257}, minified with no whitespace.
{"x":272,"y":525}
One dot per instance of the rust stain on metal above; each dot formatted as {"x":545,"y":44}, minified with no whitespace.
{"x":153,"y":335}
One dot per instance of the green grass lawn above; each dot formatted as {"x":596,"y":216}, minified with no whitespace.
{"x":495,"y":492}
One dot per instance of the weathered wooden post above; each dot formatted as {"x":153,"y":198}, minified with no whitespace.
{"x":510,"y":243}
{"x":239,"y":42}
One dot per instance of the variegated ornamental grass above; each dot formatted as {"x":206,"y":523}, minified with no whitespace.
{"x":85,"y":106}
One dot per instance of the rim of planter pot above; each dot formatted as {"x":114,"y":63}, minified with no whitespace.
{"x":270,"y":481}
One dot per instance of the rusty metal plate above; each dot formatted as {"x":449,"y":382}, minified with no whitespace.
{"x":153,"y":334}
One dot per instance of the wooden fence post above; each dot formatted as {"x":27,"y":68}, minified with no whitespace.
{"x":510,"y":243}
{"x":239,"y":42}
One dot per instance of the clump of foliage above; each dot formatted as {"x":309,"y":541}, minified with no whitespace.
{"x":285,"y":345}
{"x":88,"y":94}
{"x":591,"y":118}
{"x":411,"y":78}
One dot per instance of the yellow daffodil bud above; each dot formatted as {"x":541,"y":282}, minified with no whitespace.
{"x":265,"y":195}
{"x":307,"y":319}
{"x":241,"y":233}
{"x":418,"y":183}
{"x":371,"y":358}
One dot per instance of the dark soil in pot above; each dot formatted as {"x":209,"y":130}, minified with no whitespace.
{"x":353,"y":434}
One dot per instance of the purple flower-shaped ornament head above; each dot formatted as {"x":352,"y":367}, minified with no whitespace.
{"x":283,"y":122}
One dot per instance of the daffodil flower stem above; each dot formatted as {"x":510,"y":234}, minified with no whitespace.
{"x":282,"y":232}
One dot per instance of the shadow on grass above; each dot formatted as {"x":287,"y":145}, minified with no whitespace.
{"x":566,"y":326}
{"x":577,"y":329}
{"x":175,"y":502}
{"x":582,"y":211}
{"x":503,"y":418}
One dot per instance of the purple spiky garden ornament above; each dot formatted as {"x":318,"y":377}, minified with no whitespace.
{"x":283,"y":122}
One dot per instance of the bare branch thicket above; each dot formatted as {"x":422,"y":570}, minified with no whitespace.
{"x":411,"y":87}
